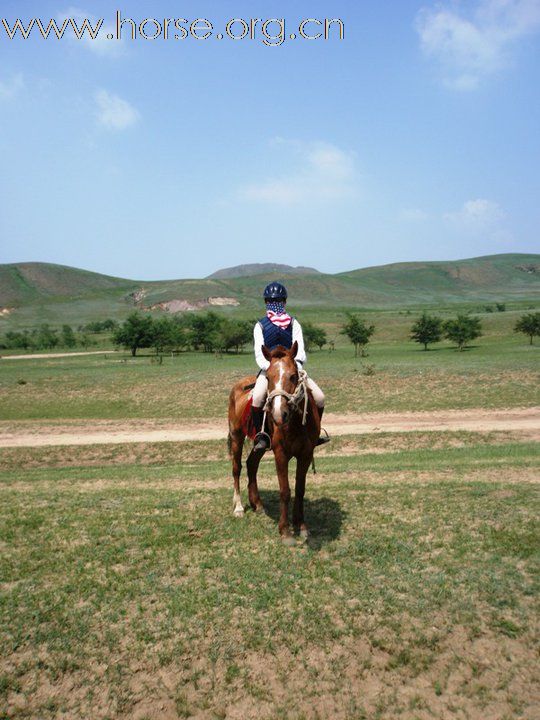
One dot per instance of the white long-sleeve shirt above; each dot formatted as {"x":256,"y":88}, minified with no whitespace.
{"x":258,"y":342}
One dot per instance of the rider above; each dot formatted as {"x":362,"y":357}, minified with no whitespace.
{"x":277,"y":328}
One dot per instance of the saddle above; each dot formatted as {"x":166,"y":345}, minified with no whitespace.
{"x":248,"y":427}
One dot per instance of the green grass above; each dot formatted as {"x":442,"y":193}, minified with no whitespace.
{"x":126,"y":588}
{"x":500,"y":371}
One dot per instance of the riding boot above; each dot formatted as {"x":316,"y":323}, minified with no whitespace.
{"x":323,"y":438}
{"x":262,"y":441}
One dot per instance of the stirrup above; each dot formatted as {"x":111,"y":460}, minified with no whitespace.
{"x":262,"y":441}
{"x":323,"y":439}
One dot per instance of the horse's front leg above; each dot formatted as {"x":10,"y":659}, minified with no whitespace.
{"x":282,"y":467}
{"x":252,"y":465}
{"x":236,"y":443}
{"x":302,"y":467}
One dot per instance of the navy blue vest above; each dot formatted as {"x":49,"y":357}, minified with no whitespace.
{"x":274,"y":336}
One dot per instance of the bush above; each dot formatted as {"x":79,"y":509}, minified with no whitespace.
{"x":99,"y":326}
{"x":313,"y":335}
{"x":67,"y":338}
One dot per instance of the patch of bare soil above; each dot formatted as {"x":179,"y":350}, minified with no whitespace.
{"x":90,"y":433}
{"x":166,"y":453}
{"x":439,"y":671}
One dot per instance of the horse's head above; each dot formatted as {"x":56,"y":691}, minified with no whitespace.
{"x":282,"y":380}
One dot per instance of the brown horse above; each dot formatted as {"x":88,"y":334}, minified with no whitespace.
{"x":293,"y":424}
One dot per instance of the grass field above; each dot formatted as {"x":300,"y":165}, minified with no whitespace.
{"x":129,"y":590}
{"x":500,"y":371}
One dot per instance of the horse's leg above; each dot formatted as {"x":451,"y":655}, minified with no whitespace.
{"x":302,"y":467}
{"x":252,"y":464}
{"x":282,"y":467}
{"x":236,"y":439}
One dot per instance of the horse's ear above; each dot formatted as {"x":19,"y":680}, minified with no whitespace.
{"x":266,"y":353}
{"x":294,"y":349}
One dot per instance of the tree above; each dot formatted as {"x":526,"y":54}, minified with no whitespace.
{"x":161,"y":334}
{"x":462,"y":330}
{"x":205,"y":331}
{"x":235,"y":334}
{"x":529,"y":324}
{"x":86,"y":341}
{"x":99,"y":326}
{"x":68,"y":339}
{"x":427,"y":329}
{"x":178,"y":334}
{"x":46,"y":337}
{"x":313,"y":335}
{"x":18,"y":340}
{"x":134,"y":333}
{"x":358,"y":332}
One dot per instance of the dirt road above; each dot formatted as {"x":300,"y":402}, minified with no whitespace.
{"x":41,"y":356}
{"x":105,"y":432}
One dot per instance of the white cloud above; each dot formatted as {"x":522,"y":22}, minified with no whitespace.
{"x":478,"y":215}
{"x":323,"y":172}
{"x":102,"y":45}
{"x":113,"y":112}
{"x":470,"y":49}
{"x":11,"y":86}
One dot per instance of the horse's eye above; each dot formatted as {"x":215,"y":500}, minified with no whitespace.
{"x":294,"y":378}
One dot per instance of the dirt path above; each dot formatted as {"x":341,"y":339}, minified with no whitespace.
{"x":106,"y":432}
{"x":39,"y":356}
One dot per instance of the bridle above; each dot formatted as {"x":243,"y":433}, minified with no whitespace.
{"x":294,"y":400}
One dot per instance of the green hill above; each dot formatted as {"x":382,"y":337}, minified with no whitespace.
{"x":22,"y":283}
{"x":40,"y":292}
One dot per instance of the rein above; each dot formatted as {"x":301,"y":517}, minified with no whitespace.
{"x":294,"y":399}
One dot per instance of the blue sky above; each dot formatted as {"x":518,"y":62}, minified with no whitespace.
{"x":414,"y":137}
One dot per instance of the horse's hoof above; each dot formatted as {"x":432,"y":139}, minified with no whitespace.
{"x":260,"y":510}
{"x":288,"y":540}
{"x":239,"y":512}
{"x":304,"y":535}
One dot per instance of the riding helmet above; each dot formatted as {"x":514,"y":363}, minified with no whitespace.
{"x":275,"y":291}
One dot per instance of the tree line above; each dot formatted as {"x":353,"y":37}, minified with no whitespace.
{"x":211,"y":332}
{"x":429,"y":329}
{"x":208,"y":332}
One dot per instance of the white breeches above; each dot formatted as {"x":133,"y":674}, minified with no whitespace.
{"x":261,"y":388}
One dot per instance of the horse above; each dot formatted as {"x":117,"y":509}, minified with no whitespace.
{"x":293,"y":425}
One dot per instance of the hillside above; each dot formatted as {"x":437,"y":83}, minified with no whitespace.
{"x":259,"y":269}
{"x":21,"y":283}
{"x":41,"y":292}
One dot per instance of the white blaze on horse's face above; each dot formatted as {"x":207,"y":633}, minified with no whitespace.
{"x":279,"y":403}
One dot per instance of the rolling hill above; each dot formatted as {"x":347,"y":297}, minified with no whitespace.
{"x":41,"y":292}
{"x":259,"y":269}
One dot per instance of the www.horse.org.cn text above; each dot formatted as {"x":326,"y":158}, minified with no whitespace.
{"x":271,"y":32}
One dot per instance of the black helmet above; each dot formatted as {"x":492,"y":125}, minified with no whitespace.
{"x":275,"y":291}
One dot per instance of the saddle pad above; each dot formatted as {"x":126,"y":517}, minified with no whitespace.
{"x":247,"y":423}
